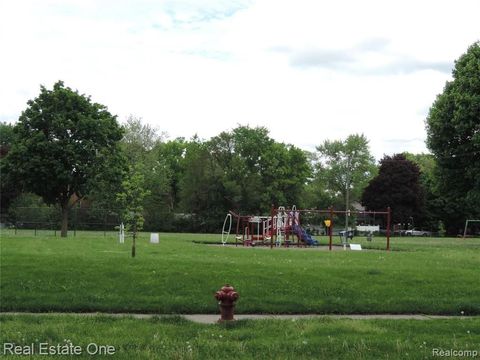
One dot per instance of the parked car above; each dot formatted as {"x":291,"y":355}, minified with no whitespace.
{"x":414,"y":232}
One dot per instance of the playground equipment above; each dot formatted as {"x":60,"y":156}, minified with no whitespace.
{"x":369,"y":230}
{"x":227,"y":227}
{"x":283,"y":227}
{"x":468,"y":221}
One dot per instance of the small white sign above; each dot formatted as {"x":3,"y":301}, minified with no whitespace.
{"x":154,"y":238}
{"x":355,"y":247}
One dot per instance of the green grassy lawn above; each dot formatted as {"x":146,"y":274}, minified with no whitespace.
{"x":92,"y":272}
{"x":175,"y":338}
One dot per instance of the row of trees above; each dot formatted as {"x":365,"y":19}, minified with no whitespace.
{"x":194,"y":183}
{"x":67,"y":149}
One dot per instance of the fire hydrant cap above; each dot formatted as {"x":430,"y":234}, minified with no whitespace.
{"x":227,"y":288}
{"x":226,"y":293}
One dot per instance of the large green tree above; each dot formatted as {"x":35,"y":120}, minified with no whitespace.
{"x":397,"y":185}
{"x":243,"y":170}
{"x":433,"y":200}
{"x":64,"y":144}
{"x":258,"y":170}
{"x":6,"y":138}
{"x":453,"y":129}
{"x":203,"y":191}
{"x":346,"y":166}
{"x":139,"y":139}
{"x":240,"y":153}
{"x":172,"y":155}
{"x":9,"y":188}
{"x":141,"y":143}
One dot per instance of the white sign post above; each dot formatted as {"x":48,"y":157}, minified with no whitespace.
{"x":121,"y":234}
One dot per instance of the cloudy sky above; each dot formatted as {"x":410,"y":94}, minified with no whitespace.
{"x":307,"y":70}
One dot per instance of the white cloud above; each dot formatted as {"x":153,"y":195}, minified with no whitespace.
{"x":306,"y":70}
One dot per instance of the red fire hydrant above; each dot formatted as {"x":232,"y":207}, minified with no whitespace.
{"x":226,"y":297}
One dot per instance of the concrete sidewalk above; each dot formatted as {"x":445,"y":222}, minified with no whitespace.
{"x":212,"y":318}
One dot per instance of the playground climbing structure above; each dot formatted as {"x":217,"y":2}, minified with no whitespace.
{"x":283,"y":227}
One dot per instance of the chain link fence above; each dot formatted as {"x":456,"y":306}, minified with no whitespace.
{"x":47,"y":220}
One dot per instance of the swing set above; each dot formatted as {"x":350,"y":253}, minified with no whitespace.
{"x":283,"y":227}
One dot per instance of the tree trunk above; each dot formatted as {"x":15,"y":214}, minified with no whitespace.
{"x":133,"y":245}
{"x":64,"y":221}
{"x":134,"y":235}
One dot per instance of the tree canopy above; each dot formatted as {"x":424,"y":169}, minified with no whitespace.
{"x":259,"y":171}
{"x":346,"y":167}
{"x":64,"y":144}
{"x":453,"y":136}
{"x":397,"y":185}
{"x":428,"y":181}
{"x":8,"y":184}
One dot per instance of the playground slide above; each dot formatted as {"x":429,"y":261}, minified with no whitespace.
{"x":307,"y":238}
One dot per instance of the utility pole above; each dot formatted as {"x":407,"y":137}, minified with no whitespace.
{"x":347,"y":192}
{"x":347,"y":197}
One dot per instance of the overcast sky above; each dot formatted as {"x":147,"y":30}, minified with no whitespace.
{"x":306,"y":70}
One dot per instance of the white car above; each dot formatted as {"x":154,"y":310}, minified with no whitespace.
{"x":414,"y":232}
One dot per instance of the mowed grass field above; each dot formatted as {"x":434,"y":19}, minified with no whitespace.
{"x":92,"y":272}
{"x":176,"y":338}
